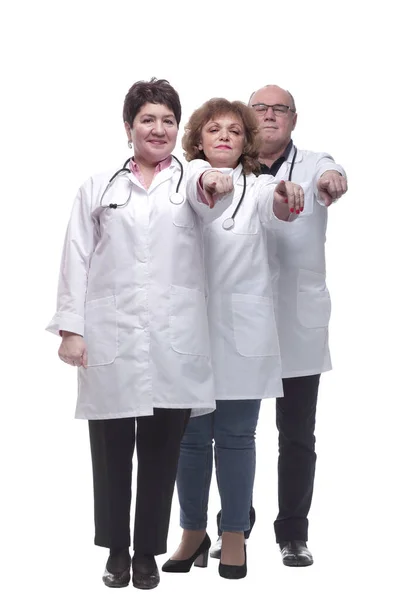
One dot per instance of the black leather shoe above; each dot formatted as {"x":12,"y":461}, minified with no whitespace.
{"x":296,"y":554}
{"x":234,"y":571}
{"x":117,"y":569}
{"x":145,"y":574}
{"x":216,"y":549}
{"x":199,"y":559}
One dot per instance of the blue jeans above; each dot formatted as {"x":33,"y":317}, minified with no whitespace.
{"x":232,"y":427}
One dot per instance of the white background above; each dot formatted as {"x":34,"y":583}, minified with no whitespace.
{"x":66,"y":67}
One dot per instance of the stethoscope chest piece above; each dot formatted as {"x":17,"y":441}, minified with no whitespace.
{"x":228,"y":223}
{"x":176,"y":198}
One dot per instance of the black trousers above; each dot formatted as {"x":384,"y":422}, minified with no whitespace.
{"x":157,"y":439}
{"x":295,"y":420}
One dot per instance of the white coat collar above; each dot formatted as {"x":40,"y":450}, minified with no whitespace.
{"x":162,"y":176}
{"x":299,"y":155}
{"x":238,"y":178}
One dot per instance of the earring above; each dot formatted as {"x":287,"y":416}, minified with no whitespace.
{"x":129,"y":144}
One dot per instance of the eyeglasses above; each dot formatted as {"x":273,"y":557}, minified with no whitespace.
{"x":278,"y":109}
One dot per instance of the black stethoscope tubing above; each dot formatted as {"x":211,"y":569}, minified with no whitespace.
{"x":292,"y":165}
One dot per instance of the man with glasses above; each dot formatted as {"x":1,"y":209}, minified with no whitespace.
{"x":303,"y":311}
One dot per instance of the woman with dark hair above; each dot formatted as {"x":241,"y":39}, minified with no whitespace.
{"x":221,"y":137}
{"x":132,"y":316}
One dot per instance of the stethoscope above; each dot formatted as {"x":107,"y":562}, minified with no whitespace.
{"x":229,"y":222}
{"x":175,"y":198}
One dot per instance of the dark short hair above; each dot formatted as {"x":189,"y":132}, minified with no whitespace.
{"x":217,"y":107}
{"x":155,"y":91}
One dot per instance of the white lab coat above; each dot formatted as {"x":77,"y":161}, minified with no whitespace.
{"x":245,"y":347}
{"x":302,"y":299}
{"x":132,"y":282}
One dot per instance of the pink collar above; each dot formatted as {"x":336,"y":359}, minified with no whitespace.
{"x":164,"y":164}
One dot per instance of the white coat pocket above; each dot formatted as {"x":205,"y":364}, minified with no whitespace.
{"x":254,"y":325}
{"x":100,"y":331}
{"x":313,"y":300}
{"x":183,"y":215}
{"x":188,"y":322}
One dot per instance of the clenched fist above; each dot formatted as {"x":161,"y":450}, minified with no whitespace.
{"x":288,"y":198}
{"x":73,"y":350}
{"x":215,"y":185}
{"x":331,"y":186}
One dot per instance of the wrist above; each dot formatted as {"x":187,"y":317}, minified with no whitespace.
{"x":65,"y":334}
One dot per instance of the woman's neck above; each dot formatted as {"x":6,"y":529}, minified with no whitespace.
{"x":222,"y":165}
{"x":147,"y":169}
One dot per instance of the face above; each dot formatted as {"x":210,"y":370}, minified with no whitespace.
{"x":222,"y":140}
{"x":275,"y":129}
{"x":153,"y":133}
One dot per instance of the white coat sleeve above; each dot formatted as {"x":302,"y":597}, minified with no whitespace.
{"x":78,"y":247}
{"x":206,"y":214}
{"x":324,"y":163}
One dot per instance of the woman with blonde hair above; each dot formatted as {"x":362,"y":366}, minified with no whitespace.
{"x":220,"y":141}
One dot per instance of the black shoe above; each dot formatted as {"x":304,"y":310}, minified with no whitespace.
{"x":216,"y":549}
{"x":296,"y":554}
{"x":117,"y":569}
{"x":199,"y":559}
{"x":234,"y":571}
{"x":145,"y":575}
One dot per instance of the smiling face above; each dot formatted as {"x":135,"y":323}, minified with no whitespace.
{"x":153,"y":133}
{"x":275,"y":129}
{"x":222,"y":140}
